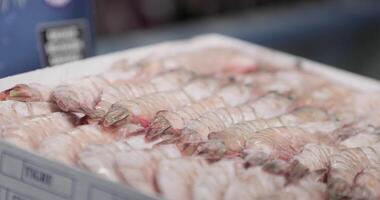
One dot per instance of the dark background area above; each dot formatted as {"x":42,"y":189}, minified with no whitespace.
{"x":342,"y":33}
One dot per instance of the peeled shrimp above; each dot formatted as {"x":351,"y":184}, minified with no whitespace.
{"x":27,"y":92}
{"x":29,"y":133}
{"x":175,"y":177}
{"x":65,"y":146}
{"x":14,"y":111}
{"x":138,"y":168}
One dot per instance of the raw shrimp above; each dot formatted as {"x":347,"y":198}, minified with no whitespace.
{"x":197,"y":131}
{"x":346,"y":165}
{"x":142,"y":110}
{"x":175,"y":177}
{"x":315,"y":156}
{"x":145,"y":107}
{"x":212,"y":183}
{"x":170,"y":80}
{"x":65,"y":146}
{"x":170,"y":122}
{"x":14,"y":111}
{"x":138,"y":168}
{"x":253,"y":183}
{"x":276,"y":143}
{"x":31,"y":131}
{"x":100,"y":158}
{"x":27,"y":92}
{"x":83,"y":94}
{"x":235,"y":136}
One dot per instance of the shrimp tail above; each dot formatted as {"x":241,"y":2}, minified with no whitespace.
{"x":20,"y":92}
{"x":296,"y":171}
{"x":277,"y":167}
{"x":212,"y":150}
{"x":256,"y":158}
{"x":157,"y":128}
{"x":115,"y":115}
{"x":96,"y":114}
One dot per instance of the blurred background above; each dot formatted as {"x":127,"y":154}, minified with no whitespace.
{"x":342,"y":33}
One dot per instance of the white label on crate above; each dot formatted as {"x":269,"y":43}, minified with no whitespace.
{"x":47,"y":180}
{"x":96,"y":194}
{"x":11,"y":166}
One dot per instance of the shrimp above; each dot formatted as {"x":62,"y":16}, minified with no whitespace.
{"x":82,"y":95}
{"x":197,"y":131}
{"x":313,"y":158}
{"x":235,"y":136}
{"x":100,"y":158}
{"x":170,"y":122}
{"x":253,"y":183}
{"x":175,"y":177}
{"x":145,"y":107}
{"x":170,"y":80}
{"x":276,"y":143}
{"x":32,"y":131}
{"x":138,"y":168}
{"x":346,"y":165}
{"x":65,"y":146}
{"x":27,"y":92}
{"x":316,"y":156}
{"x":214,"y":180}
{"x":15,"y":111}
{"x":141,"y":110}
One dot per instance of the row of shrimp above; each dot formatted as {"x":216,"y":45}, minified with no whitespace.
{"x":215,"y":123}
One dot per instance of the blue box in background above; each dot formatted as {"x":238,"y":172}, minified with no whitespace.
{"x":40,"y":33}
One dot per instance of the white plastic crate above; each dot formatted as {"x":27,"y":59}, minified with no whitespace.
{"x":27,"y":176}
